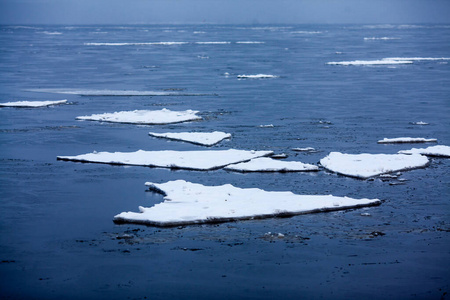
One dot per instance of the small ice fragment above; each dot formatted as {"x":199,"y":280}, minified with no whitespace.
{"x":306,"y":149}
{"x":420,"y":123}
{"x":438,"y":151}
{"x":267,"y":126}
{"x":406,"y":140}
{"x":32,"y":103}
{"x":365,"y":214}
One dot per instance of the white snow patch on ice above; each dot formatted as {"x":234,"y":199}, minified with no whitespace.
{"x":265,"y":164}
{"x":405,"y":140}
{"x":200,"y":138}
{"x":369,"y":165}
{"x":440,"y":150}
{"x":257,"y":76}
{"x":149,"y":117}
{"x":190,"y":203}
{"x":33,"y":103}
{"x":192,"y":160}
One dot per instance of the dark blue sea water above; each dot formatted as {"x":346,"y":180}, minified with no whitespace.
{"x":57,"y":237}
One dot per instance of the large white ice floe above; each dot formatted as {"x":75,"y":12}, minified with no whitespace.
{"x":440,"y":150}
{"x":257,"y":76}
{"x":190,"y":203}
{"x":150,"y":117}
{"x":33,"y":103}
{"x":265,"y":164}
{"x":203,"y":160}
{"x":406,"y":140}
{"x":369,"y":165}
{"x":200,"y":138}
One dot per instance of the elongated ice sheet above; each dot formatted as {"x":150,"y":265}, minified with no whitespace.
{"x":265,"y":164}
{"x":200,"y":138}
{"x":190,"y":203}
{"x":440,"y":150}
{"x":150,"y":117}
{"x":406,"y":140}
{"x":191,"y":160}
{"x":368,"y":165}
{"x":33,"y":103}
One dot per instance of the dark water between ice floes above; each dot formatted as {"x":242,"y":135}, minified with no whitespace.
{"x":57,"y":235}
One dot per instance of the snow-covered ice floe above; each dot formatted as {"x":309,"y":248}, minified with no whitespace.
{"x":306,"y":149}
{"x":406,"y":140}
{"x":200,"y":138}
{"x":439,"y":151}
{"x":191,"y":160}
{"x":32,"y":103}
{"x":188,"y":203}
{"x":257,"y":76}
{"x":265,"y":164}
{"x":148,"y":117}
{"x":368,"y":165}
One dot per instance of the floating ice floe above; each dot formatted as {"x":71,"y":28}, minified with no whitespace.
{"x":200,"y":138}
{"x":127,"y":93}
{"x":384,"y":38}
{"x":369,"y":165}
{"x":265,"y":164}
{"x":137,"y":44}
{"x":249,"y":42}
{"x":306,"y":149}
{"x":406,"y":140}
{"x":257,"y":76}
{"x":387,"y":61}
{"x":420,"y":123}
{"x":440,"y":150}
{"x":213,"y":43}
{"x":191,"y":160}
{"x":370,"y":62}
{"x":33,"y":103}
{"x":149,"y":117}
{"x":190,"y":203}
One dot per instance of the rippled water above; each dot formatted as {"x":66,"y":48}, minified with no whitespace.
{"x":57,"y":235}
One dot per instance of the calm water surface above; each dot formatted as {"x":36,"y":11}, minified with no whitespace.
{"x":56,"y":232}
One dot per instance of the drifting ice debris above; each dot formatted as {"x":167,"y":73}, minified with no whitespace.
{"x":370,"y":62}
{"x":306,"y":149}
{"x":368,"y":165}
{"x":405,"y":140}
{"x":439,"y":151}
{"x":267,"y":126}
{"x":190,"y":203}
{"x":200,"y":138}
{"x":192,"y":160}
{"x":279,"y":156}
{"x":420,"y":123}
{"x":265,"y":164}
{"x":257,"y":76}
{"x":148,"y":117}
{"x":33,"y":103}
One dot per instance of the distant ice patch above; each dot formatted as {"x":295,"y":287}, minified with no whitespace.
{"x":83,"y":92}
{"x":439,"y":151}
{"x":192,"y":160}
{"x":305,"y":149}
{"x":406,"y":140}
{"x":249,"y":42}
{"x":384,"y":38}
{"x":420,"y":123}
{"x":213,"y":43}
{"x":369,"y":165}
{"x":200,"y":138}
{"x":137,"y":44}
{"x":148,"y":117}
{"x":32,"y":103}
{"x":257,"y":76}
{"x":306,"y":32}
{"x":370,"y":62}
{"x":191,"y":203}
{"x":387,"y":61}
{"x":51,"y":32}
{"x":265,"y":164}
